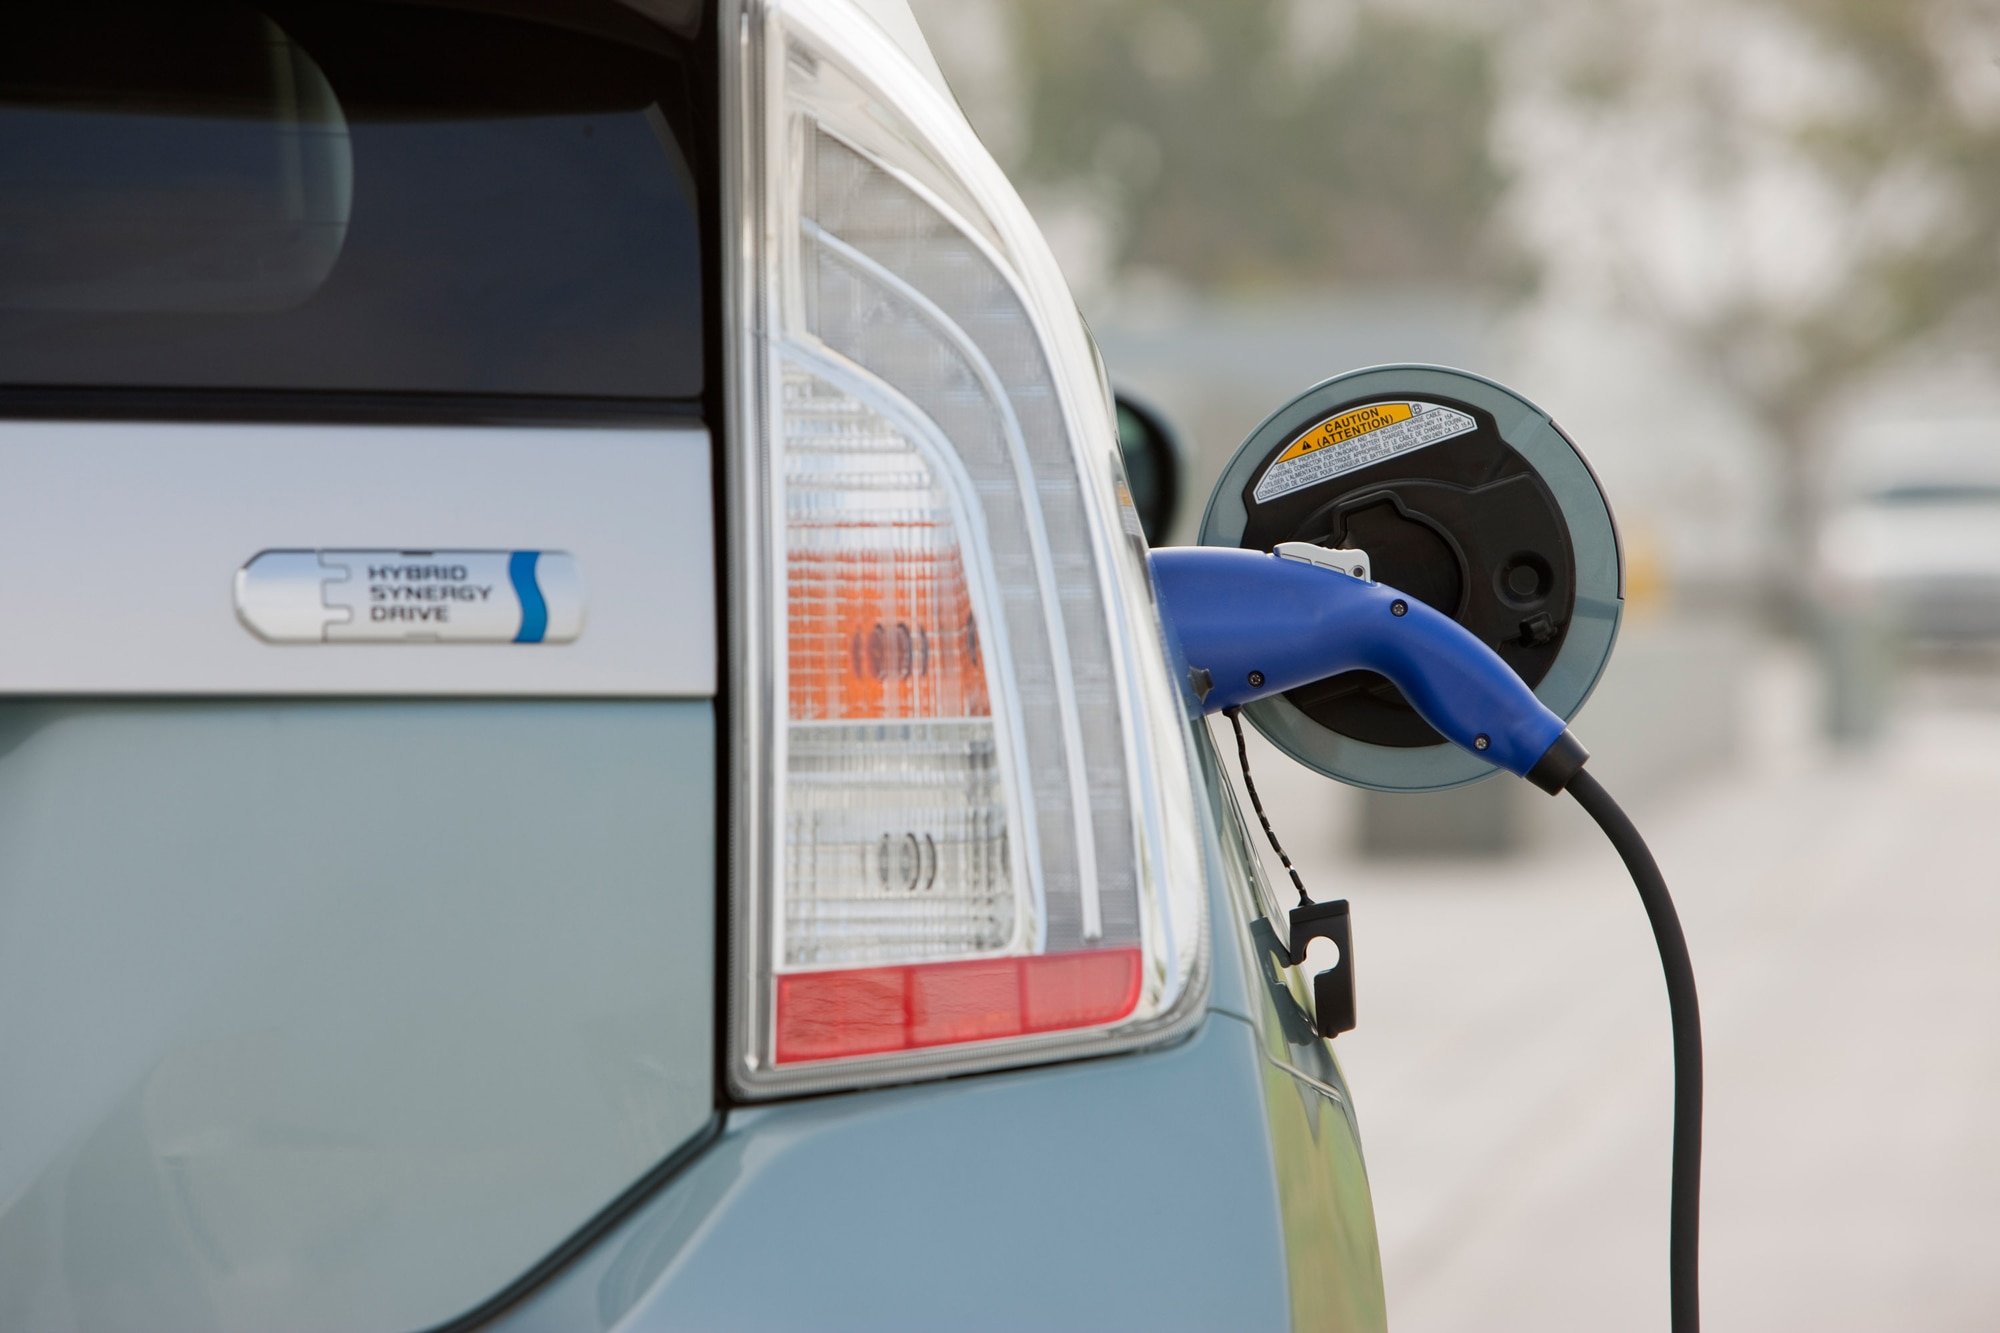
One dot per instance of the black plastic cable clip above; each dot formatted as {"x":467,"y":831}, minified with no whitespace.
{"x":1333,"y":989}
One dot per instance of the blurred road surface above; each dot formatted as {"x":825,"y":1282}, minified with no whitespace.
{"x":1512,"y":1071}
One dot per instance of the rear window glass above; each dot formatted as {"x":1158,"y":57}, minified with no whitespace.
{"x":365,"y":197}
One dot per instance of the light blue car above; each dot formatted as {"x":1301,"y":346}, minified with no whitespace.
{"x":585,"y":741}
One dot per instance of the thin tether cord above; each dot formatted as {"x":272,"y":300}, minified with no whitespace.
{"x":1235,"y":716}
{"x":1684,"y":1215}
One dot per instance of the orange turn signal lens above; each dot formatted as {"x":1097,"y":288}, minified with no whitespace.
{"x":881,"y":625}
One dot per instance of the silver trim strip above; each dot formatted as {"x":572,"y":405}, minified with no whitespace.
{"x":122,"y":542}
{"x":749,"y":693}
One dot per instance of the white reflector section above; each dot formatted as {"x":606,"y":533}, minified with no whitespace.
{"x":896,"y":825}
{"x":896,"y":844}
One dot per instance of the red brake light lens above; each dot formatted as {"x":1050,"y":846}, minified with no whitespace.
{"x":868,"y":1011}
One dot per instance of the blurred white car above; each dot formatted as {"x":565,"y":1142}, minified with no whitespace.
{"x":1916,"y":540}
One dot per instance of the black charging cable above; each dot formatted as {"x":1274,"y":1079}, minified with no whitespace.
{"x":1684,"y":1212}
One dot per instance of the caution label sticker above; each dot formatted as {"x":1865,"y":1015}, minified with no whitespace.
{"x":1356,"y":438}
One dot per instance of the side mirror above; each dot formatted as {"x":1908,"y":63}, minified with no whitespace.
{"x":1465,"y":496}
{"x":1155,"y":466}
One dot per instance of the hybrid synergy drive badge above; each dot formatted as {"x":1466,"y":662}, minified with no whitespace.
{"x":411,"y":596}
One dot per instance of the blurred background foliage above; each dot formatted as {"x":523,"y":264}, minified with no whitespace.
{"x":1245,"y":147}
{"x":1747,"y":252}
{"x":1776,"y":207}
{"x":1838,"y":190}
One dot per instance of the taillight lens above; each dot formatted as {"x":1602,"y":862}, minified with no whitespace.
{"x":966,"y":826}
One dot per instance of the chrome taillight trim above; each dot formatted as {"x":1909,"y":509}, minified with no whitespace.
{"x":747,"y":572}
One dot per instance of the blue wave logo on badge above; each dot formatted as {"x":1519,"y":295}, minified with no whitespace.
{"x":411,"y":596}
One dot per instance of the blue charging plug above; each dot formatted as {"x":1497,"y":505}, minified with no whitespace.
{"x":1261,"y":624}
{"x":1251,"y":625}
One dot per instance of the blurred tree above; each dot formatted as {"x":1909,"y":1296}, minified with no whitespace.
{"x":1244,"y":145}
{"x":1803,"y":192}
{"x":1798,"y":192}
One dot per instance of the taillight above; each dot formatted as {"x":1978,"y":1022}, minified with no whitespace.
{"x":966,"y":827}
